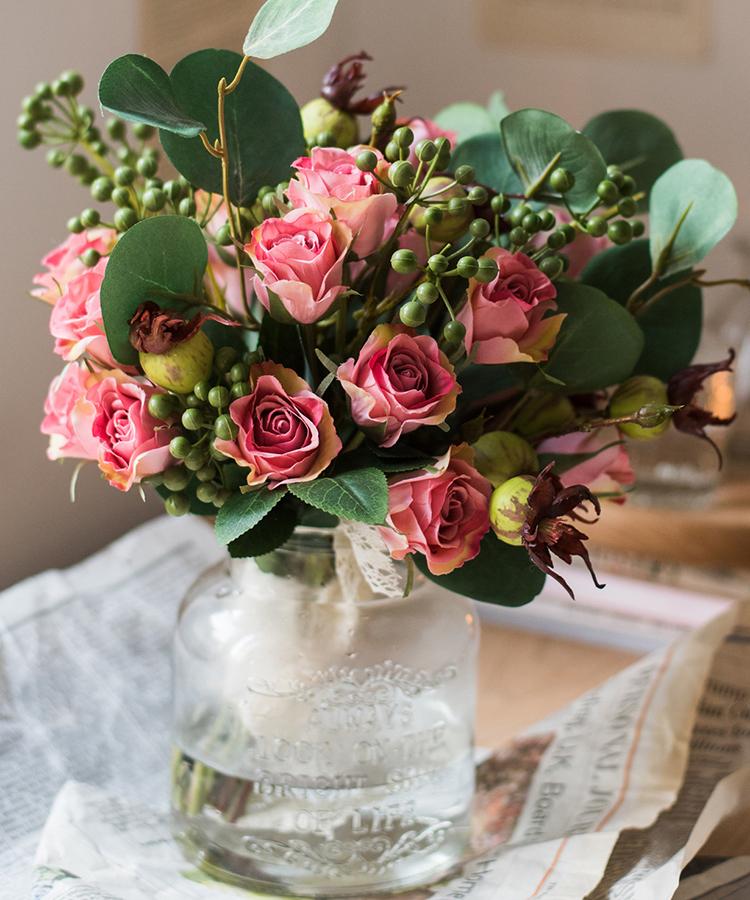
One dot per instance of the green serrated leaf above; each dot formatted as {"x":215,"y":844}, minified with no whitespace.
{"x":533,"y":138}
{"x":693,"y":206}
{"x":283,"y":25}
{"x":156,"y":258}
{"x":137,"y":89}
{"x":242,"y":512}
{"x":501,"y":574}
{"x":258,"y":153}
{"x":360,"y":495}
{"x":271,"y":532}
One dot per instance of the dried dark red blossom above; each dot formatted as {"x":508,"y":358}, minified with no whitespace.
{"x":156,"y":330}
{"x":682,"y":390}
{"x":545,"y":532}
{"x":342,"y":81}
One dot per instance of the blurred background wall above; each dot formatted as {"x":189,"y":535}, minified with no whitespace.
{"x":685,"y":60}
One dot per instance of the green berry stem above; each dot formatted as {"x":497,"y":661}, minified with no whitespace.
{"x":446,"y":301}
{"x":536,"y":186}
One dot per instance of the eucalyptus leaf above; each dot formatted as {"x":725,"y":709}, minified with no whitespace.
{"x":533,"y":138}
{"x":693,"y":206}
{"x":641,"y":144}
{"x":497,"y":107}
{"x":485,"y":152}
{"x":283,"y":25}
{"x":154,"y":260}
{"x":360,"y":495}
{"x":671,"y":326}
{"x":599,"y":343}
{"x":242,"y":512}
{"x":501,"y":574}
{"x":137,"y":89}
{"x":263,"y":124}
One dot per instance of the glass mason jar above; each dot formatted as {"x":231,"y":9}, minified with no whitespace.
{"x":323,"y":742}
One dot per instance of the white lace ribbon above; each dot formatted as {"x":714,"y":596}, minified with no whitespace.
{"x":363,"y":564}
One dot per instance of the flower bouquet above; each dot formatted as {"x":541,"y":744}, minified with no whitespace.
{"x":445,"y":332}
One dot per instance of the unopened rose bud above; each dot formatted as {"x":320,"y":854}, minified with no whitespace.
{"x":509,"y":508}
{"x":543,"y":416}
{"x":499,"y":455}
{"x":644,"y":398}
{"x":456,"y":217}
{"x":321,"y":116}
{"x":182,"y":366}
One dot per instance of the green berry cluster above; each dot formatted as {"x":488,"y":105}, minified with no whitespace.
{"x":203,"y":416}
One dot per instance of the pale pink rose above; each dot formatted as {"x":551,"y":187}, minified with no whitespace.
{"x":442,"y":514}
{"x":285,"y":431}
{"x":64,"y":262}
{"x":222,"y":278}
{"x":608,"y":472}
{"x":112,"y":423}
{"x":300,"y":261}
{"x":398,"y":382}
{"x":329,"y":180}
{"x":65,"y":391}
{"x":506,"y":320}
{"x":76,"y":319}
{"x":425,"y":129}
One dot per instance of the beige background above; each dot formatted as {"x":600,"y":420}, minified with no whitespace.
{"x":692,"y":69}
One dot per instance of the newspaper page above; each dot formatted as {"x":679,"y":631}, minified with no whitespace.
{"x":85,"y":653}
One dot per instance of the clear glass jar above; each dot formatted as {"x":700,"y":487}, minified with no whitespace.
{"x":323,"y":742}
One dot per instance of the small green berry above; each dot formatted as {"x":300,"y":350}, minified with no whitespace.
{"x":225,"y":428}
{"x":161,"y":406}
{"x":464,"y":174}
{"x":628,"y":186}
{"x":499,"y":204}
{"x":438,"y":263}
{"x":206,"y":492}
{"x":154,"y":199}
{"x":90,"y":217}
{"x":531,"y":223}
{"x":549,"y":220}
{"x":121,"y":196}
{"x":608,"y":191}
{"x":467,"y":267}
{"x":639,"y":228}
{"x":224,"y":235}
{"x":90,"y":257}
{"x":192,"y":419}
{"x":116,"y":129}
{"x":479,"y":228}
{"x":552,"y":266}
{"x":568,"y":232}
{"x":124,"y":176}
{"x":401,"y":173}
{"x":367,"y":161}
{"x":75,"y":225}
{"x":620,"y":231}
{"x":561,"y":181}
{"x":177,"y":478}
{"x":74,"y":81}
{"x":487,"y":270}
{"x":147,"y":166}
{"x":425,"y":151}
{"x":101,"y":188}
{"x":454,"y":332}
{"x":125,"y":218}
{"x":443,"y":154}
{"x":413,"y":314}
{"x":404,"y":261}
{"x":218,"y":397}
{"x":187,"y":207}
{"x":239,"y":389}
{"x":180,"y":446}
{"x":201,"y":390}
{"x":142,"y":131}
{"x":519,"y":236}
{"x":478,"y":195}
{"x":76,"y":164}
{"x":196,"y":459}
{"x":433,"y":215}
{"x":427,"y":293}
{"x":207,"y":473}
{"x":173,"y":190}
{"x":597,"y":226}
{"x":56,"y":158}
{"x":556,"y":240}
{"x":238,"y":372}
{"x":392,"y":151}
{"x":177,"y":505}
{"x":627,"y":207}
{"x":403,"y":136}
{"x":518,"y":214}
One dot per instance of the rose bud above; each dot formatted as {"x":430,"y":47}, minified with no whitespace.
{"x":499,"y":455}
{"x":645,"y":398}
{"x":319,"y":116}
{"x":455,"y":221}
{"x":509,"y":507}
{"x":173,"y":352}
{"x":683,"y":389}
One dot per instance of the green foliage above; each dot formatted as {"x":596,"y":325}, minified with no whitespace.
{"x":485,"y":152}
{"x":693,"y":206}
{"x":566,"y":461}
{"x":642,"y":145}
{"x":283,"y":25}
{"x":281,"y":342}
{"x":136,"y":88}
{"x":360,"y":495}
{"x":242,"y":512}
{"x":671,"y":326}
{"x":263,"y":125}
{"x":153,"y":260}
{"x":271,"y":532}
{"x":599,"y":343}
{"x":501,"y":574}
{"x":197,"y":507}
{"x":468,"y":120}
{"x":532,"y":139}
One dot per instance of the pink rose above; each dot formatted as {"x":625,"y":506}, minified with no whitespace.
{"x":442,"y":514}
{"x":286,"y":432}
{"x":64,"y":262}
{"x":76,"y":319}
{"x":222,"y":279}
{"x":505,"y":319}
{"x":329,"y":180}
{"x":300,"y":261}
{"x":398,"y":382}
{"x":608,"y":472}
{"x":113,"y":424}
{"x":425,"y":129}
{"x":65,"y":391}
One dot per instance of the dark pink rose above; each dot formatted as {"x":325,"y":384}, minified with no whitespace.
{"x":398,"y":382}
{"x":505,"y":320}
{"x":76,"y":319}
{"x":607,"y":472}
{"x":65,"y":391}
{"x":285,"y":431}
{"x":112,"y":423}
{"x":300,"y":263}
{"x":329,"y":180}
{"x":64,"y":262}
{"x":442,"y":514}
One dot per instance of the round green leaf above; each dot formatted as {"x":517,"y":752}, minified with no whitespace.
{"x":154,"y":259}
{"x":599,"y":343}
{"x":283,"y":25}
{"x":485,"y":152}
{"x":264,"y":129}
{"x":501,"y":574}
{"x":533,"y":138}
{"x":671,"y":326}
{"x":642,"y":145}
{"x":136,"y":88}
{"x":467,"y":120}
{"x":693,"y":206}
